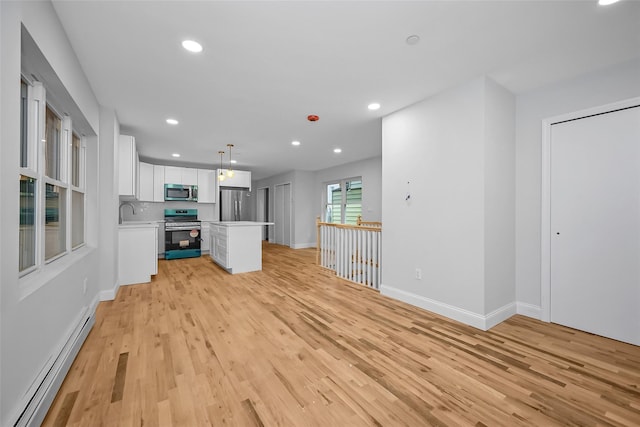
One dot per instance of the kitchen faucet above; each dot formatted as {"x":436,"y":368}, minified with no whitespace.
{"x":133,"y":210}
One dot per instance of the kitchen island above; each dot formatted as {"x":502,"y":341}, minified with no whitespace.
{"x":236,"y":246}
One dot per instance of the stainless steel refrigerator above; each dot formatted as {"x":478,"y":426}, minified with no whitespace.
{"x":234,"y":204}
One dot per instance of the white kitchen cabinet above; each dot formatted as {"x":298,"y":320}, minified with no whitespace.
{"x":158,"y":183}
{"x":146,"y":182}
{"x":137,"y":253}
{"x":240,"y":179}
{"x":205,"y":235}
{"x":206,"y":186}
{"x":178,"y":175}
{"x":237,"y":246}
{"x":128,"y":167}
{"x":189,"y":176}
{"x":172,"y":175}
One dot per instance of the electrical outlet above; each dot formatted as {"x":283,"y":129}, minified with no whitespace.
{"x":84,"y":286}
{"x":418,"y":274}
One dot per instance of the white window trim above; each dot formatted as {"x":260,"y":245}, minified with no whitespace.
{"x":31,"y":277}
{"x":343,"y":196}
{"x":80,"y":189}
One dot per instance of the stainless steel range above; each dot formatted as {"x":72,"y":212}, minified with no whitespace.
{"x":182,"y":233}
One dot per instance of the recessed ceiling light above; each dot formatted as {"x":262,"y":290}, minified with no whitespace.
{"x":373,"y":106}
{"x":413,"y":39}
{"x":607,"y":2}
{"x":192,"y":46}
{"x":296,"y":143}
{"x":337,"y":150}
{"x":172,"y":121}
{"x":176,"y":155}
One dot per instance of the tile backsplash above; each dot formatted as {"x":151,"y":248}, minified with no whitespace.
{"x":152,"y":211}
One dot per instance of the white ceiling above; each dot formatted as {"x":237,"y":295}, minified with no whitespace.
{"x":267,"y":65}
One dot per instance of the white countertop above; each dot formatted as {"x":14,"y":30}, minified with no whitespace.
{"x":240,"y":223}
{"x":138,"y":224}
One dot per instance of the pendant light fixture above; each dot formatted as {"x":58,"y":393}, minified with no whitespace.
{"x":230,"y":172}
{"x":221,"y":176}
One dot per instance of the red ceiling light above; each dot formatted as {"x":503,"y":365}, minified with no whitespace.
{"x":313,"y":118}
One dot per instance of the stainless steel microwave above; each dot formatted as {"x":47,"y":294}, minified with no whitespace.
{"x":185,"y":193}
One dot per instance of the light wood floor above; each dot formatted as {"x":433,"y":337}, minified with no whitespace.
{"x":295,"y":346}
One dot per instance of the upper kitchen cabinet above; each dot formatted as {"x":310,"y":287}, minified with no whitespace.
{"x":240,"y":179}
{"x":206,"y":186}
{"x":146,"y":182}
{"x":178,"y":175}
{"x":158,"y":183}
{"x":128,"y":165}
{"x":151,"y":178}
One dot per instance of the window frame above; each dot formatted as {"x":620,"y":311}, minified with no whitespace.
{"x":35,"y":168}
{"x":342,"y":183}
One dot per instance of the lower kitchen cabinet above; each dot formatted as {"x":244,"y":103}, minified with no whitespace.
{"x":205,"y":235}
{"x":137,"y":253}
{"x":236,"y":246}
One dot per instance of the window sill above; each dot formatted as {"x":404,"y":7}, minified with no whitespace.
{"x":33,"y":281}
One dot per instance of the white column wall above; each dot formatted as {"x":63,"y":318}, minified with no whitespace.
{"x":499,"y":200}
{"x":108,"y":204}
{"x":437,"y":146}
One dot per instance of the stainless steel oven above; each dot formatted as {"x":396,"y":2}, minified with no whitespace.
{"x":182,"y":233}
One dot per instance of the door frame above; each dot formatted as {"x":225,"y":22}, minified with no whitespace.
{"x":545,"y":217}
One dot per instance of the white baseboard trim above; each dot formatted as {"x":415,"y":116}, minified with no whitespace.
{"x":110,"y":294}
{"x":40,"y":395}
{"x":303,"y":245}
{"x":530,"y":310}
{"x":483,"y":322}
{"x":499,"y":315}
{"x":461,"y":315}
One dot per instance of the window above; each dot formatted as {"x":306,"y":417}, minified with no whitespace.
{"x":77,"y":219}
{"x":75,"y":160}
{"x":52,"y":145}
{"x":54,"y":221}
{"x":77,"y":195}
{"x":52,"y":194}
{"x":27,"y":255}
{"x":344,"y":201}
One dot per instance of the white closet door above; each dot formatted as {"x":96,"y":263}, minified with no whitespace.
{"x":595,"y":224}
{"x":278,"y":209}
{"x":287,"y":215}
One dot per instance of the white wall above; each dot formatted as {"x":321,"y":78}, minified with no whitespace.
{"x":595,"y":89}
{"x":37,"y":313}
{"x":453,"y":153}
{"x":371,"y":172}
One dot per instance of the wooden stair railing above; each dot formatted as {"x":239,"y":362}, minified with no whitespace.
{"x":353,"y":252}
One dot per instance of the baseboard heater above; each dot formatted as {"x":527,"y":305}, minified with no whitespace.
{"x":41,"y":393}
